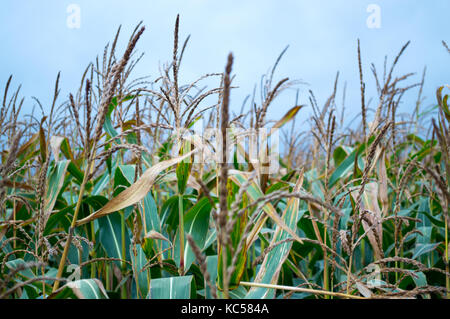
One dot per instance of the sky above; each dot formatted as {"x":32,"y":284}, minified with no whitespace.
{"x":37,"y":41}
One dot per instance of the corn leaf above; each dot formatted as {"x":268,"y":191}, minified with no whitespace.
{"x":142,"y":277}
{"x":255,"y":192}
{"x":171,"y":288}
{"x":135,"y":192}
{"x":88,"y":289}
{"x":196,"y":222}
{"x":110,"y":236}
{"x":271,"y":266}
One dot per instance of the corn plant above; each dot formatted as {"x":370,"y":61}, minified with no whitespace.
{"x":112,"y":194}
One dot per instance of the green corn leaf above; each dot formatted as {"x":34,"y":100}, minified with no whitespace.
{"x":100,"y":184}
{"x":84,"y":289}
{"x":184,"y":168}
{"x":55,"y":182}
{"x":271,"y":266}
{"x":26,"y":274}
{"x":196,"y":222}
{"x":142,"y":277}
{"x":150,"y":216}
{"x":171,"y":288}
{"x":254,"y":193}
{"x":75,"y":172}
{"x":422,"y":249}
{"x":211,"y":266}
{"x":346,"y":165}
{"x":110,"y":236}
{"x":42,"y":141}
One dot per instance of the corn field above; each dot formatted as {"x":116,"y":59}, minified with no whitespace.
{"x":110,"y":194}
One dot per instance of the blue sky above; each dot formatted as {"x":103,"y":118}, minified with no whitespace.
{"x":322,"y":35}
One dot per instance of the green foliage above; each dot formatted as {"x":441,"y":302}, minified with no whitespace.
{"x":354,"y":213}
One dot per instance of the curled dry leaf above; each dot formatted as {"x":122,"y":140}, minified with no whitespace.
{"x":55,"y":144}
{"x":374,"y":229}
{"x":155,"y":235}
{"x":363,"y":290}
{"x":383,"y":184}
{"x":288,"y":116}
{"x":135,"y":192}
